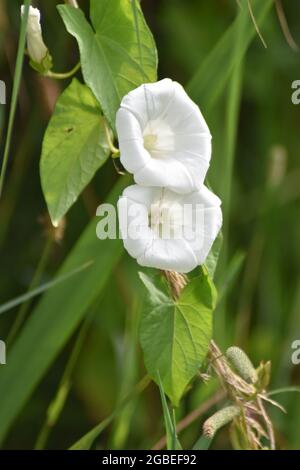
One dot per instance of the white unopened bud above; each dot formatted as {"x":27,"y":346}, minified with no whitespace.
{"x":36,"y":47}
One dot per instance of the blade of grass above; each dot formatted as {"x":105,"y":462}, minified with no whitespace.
{"x":231,"y":126}
{"x":86,"y":442}
{"x":233,"y":269}
{"x":170,"y":424}
{"x":57,"y":404}
{"x":230,"y":138}
{"x":56,"y":317}
{"x":284,"y":390}
{"x":203,"y":443}
{"x":15,"y":91}
{"x":175,"y":442}
{"x":214,"y":72}
{"x":42,"y":288}
{"x":128,"y":375}
{"x":193,"y":416}
{"x":22,"y":312}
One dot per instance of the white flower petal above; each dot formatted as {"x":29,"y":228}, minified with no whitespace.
{"x":162,"y":234}
{"x":142,"y":195}
{"x":148,"y":101}
{"x":165,"y":173}
{"x":203,"y":196}
{"x":208,"y":210}
{"x":138,"y":244}
{"x":171,"y":255}
{"x":133,"y":154}
{"x":163,"y":137}
{"x":183,"y":113}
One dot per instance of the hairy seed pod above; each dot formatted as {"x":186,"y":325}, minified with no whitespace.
{"x":219,"y":419}
{"x":242,"y":364}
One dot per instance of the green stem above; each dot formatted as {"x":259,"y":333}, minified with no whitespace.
{"x":15,"y":91}
{"x":114,"y":150}
{"x":23,"y":310}
{"x":64,"y":75}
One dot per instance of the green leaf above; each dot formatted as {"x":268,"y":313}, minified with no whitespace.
{"x":215,"y":70}
{"x":56,"y":317}
{"x":213,"y":256}
{"x":74,"y":148}
{"x":175,"y":335}
{"x":117,"y":51}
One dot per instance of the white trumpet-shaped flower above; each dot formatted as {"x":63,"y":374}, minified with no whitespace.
{"x":166,"y":230}
{"x":163,"y":137}
{"x":37,"y":49}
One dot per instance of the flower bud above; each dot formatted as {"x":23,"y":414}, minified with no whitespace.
{"x":37,"y":50}
{"x":219,"y":419}
{"x":242,"y":364}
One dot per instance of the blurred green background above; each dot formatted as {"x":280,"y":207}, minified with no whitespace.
{"x":261,"y":254}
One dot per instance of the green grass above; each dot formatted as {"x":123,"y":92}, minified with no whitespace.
{"x":92,"y":382}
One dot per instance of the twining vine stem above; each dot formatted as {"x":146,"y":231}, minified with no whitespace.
{"x":63,"y":75}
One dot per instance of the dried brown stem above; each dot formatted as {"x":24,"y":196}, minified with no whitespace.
{"x":284,"y":26}
{"x":256,"y":25}
{"x":268,"y":422}
{"x":176,"y":282}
